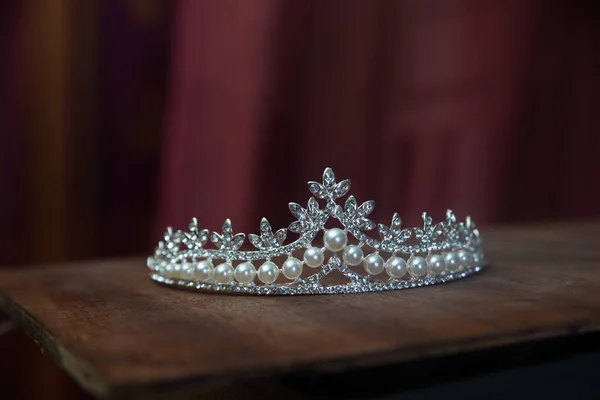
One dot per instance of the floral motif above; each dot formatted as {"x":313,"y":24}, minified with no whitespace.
{"x":267,"y":238}
{"x":449,"y":227}
{"x":227,"y":240}
{"x":394,"y":234}
{"x":430,"y":232}
{"x":308,"y":217}
{"x":173,"y":239}
{"x":329,"y":189}
{"x":195,"y":238}
{"x":354,"y":216}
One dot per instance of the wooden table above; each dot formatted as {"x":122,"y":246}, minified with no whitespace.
{"x":121,"y":335}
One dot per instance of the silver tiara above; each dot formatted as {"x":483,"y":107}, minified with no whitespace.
{"x":349,"y":260}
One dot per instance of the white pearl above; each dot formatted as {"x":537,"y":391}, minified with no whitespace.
{"x":245,"y":272}
{"x":335,"y":239}
{"x":169,"y":271}
{"x":452,"y":261}
{"x":313,"y":257}
{"x":396,"y":267}
{"x":353,"y":255}
{"x":436,"y":264}
{"x":204,"y":270}
{"x":465,"y":257}
{"x":268,"y":272}
{"x":417,"y":266}
{"x":374,"y":264}
{"x":292,"y":268}
{"x":224,"y":273}
{"x":477,"y":258}
{"x":187,"y":271}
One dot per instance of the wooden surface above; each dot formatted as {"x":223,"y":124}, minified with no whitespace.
{"x":115,"y":331}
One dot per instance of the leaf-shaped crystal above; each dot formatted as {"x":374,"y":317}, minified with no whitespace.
{"x":238,"y":240}
{"x":350,"y":206}
{"x":404,"y":235}
{"x":427,"y":221}
{"x":298,"y":211}
{"x":317,"y":189}
{"x":450,"y":217}
{"x":265,"y":226}
{"x":365,"y":224}
{"x":256,"y":241}
{"x":313,"y":207}
{"x":227,"y":229}
{"x":469,"y":223}
{"x":384,"y":231}
{"x":295,"y":227}
{"x":168,"y":234}
{"x":280,"y":235}
{"x":366,"y":208}
{"x":341,"y":188}
{"x":189,"y":239}
{"x":202,"y":237}
{"x":396,"y":223}
{"x":193,"y":227}
{"x":216,"y":239}
{"x":328,"y":178}
{"x":298,"y":226}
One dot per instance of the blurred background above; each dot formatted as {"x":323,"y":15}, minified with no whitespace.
{"x":119,"y":117}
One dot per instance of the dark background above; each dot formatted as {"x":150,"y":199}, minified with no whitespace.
{"x":119,"y":117}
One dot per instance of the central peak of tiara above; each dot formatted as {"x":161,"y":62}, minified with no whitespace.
{"x":410,"y":257}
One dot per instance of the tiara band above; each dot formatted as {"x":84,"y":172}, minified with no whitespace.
{"x":400,"y":258}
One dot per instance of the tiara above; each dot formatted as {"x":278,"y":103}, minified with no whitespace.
{"x":348,"y":261}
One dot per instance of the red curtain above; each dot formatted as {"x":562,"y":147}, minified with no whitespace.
{"x":82,"y":94}
{"x":485,"y":107}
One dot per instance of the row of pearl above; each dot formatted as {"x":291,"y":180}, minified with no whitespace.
{"x":334,"y":240}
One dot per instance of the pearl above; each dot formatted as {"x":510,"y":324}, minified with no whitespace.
{"x":245,"y":272}
{"x":204,"y":270}
{"x":313,"y":257}
{"x":169,"y":271}
{"x":417,"y":266}
{"x":436,"y":264}
{"x":452,"y":261}
{"x":353,"y":255}
{"x":477,"y":258}
{"x":465,"y":257}
{"x":396,"y":267}
{"x":292,"y":268}
{"x":374,"y":264}
{"x":335,"y":239}
{"x":187,"y":271}
{"x":224,"y":273}
{"x":268,"y":272}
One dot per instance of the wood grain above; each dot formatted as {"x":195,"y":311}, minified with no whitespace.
{"x":112,"y":328}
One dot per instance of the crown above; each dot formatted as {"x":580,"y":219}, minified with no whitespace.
{"x":320,"y":260}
